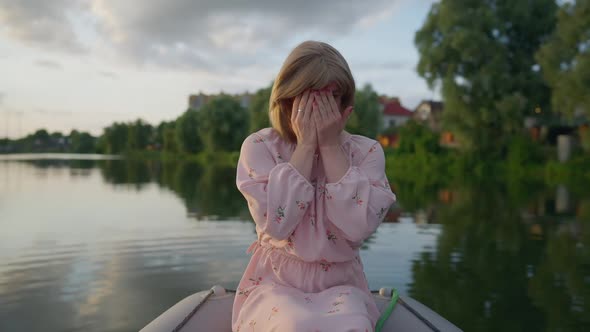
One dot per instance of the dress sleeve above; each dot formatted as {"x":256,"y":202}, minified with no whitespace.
{"x":358,"y":202}
{"x":277,"y":194}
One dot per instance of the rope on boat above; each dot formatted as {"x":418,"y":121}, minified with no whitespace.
{"x":192,"y":313}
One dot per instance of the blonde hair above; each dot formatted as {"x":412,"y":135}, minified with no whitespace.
{"x":310,"y":65}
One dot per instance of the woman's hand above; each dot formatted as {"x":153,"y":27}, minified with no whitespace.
{"x":302,"y":122}
{"x":328,"y":120}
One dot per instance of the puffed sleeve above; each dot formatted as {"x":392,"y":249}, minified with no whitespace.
{"x":277,"y":194}
{"x":358,"y":202}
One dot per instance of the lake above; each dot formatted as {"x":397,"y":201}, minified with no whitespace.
{"x":89,"y":243}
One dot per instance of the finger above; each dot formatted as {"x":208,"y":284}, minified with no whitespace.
{"x":305,"y":97}
{"x":328,"y":106}
{"x":317,"y":117}
{"x":294,"y":108}
{"x":303,"y":101}
{"x":308,"y":108}
{"x":322,"y":107}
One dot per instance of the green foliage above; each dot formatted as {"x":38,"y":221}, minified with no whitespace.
{"x":187,"y":132}
{"x":366,"y":118}
{"x":169,"y":141}
{"x":81,"y":142}
{"x":482,"y":55}
{"x":415,"y":137}
{"x":565,"y":59}
{"x":223,"y":124}
{"x":115,"y":138}
{"x":139,"y":136}
{"x":259,"y":109}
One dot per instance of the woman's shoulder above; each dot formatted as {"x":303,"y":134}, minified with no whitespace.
{"x":268,"y":136}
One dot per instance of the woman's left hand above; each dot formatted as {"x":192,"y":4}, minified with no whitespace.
{"x":329,"y":121}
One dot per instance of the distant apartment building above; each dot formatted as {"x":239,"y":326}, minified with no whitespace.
{"x":195,"y":102}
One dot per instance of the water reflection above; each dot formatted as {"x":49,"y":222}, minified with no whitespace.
{"x":511,"y":267}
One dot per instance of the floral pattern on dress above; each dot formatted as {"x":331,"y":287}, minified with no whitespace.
{"x":308,"y":299}
{"x":331,"y":236}
{"x":302,"y":204}
{"x":323,"y":191}
{"x":258,"y":140}
{"x":325,"y":264}
{"x":251,"y":173}
{"x":251,"y":324}
{"x":359,"y":201}
{"x":273,"y":312}
{"x":312,"y":219}
{"x":244,"y":292}
{"x":381,"y":213}
{"x":255,"y":282}
{"x":280,"y":214}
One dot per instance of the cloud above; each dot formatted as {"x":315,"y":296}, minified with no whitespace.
{"x":108,"y":74}
{"x":209,"y":35}
{"x":387,"y":65}
{"x":48,"y":64}
{"x":1,"y":98}
{"x":41,"y":23}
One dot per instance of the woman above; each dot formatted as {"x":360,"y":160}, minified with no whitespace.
{"x":315,"y":193}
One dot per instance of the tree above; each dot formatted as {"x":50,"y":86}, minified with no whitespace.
{"x":115,"y":138}
{"x":82,"y":142}
{"x":169,"y":140}
{"x":259,"y":109}
{"x":139,"y":135}
{"x":366,"y":118}
{"x":482,"y":55}
{"x":565,"y":59}
{"x":187,"y":132}
{"x":223,"y":124}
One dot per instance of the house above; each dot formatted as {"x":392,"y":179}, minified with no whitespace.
{"x":430,"y":112}
{"x":394,"y":114}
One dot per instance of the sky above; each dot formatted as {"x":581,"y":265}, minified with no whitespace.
{"x":84,"y":64}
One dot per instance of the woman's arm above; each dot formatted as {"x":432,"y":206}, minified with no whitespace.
{"x":357,"y":202}
{"x":278,"y":195}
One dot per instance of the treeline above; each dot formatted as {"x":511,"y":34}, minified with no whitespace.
{"x":221,"y":125}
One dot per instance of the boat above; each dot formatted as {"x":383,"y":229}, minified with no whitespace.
{"x":211,"y":310}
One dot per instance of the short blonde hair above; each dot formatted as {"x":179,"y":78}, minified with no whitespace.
{"x":310,"y":65}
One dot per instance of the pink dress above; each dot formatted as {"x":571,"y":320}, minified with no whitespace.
{"x":305,"y":272}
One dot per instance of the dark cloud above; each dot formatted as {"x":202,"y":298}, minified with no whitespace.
{"x":209,"y":35}
{"x":42,"y":23}
{"x":48,"y":64}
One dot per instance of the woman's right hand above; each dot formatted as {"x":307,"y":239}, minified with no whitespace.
{"x":302,"y":122}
